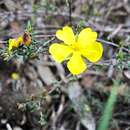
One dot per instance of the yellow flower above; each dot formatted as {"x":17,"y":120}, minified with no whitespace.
{"x":26,"y":38}
{"x":15,"y":76}
{"x":76,"y":48}
{"x":15,"y":43}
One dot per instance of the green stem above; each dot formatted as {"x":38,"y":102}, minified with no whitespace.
{"x":107,"y":114}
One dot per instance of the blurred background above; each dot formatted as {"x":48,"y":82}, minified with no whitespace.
{"x":34,"y":94}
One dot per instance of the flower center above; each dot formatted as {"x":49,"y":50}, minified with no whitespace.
{"x":75,"y":46}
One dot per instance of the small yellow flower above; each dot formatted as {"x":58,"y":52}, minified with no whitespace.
{"x":15,"y":76}
{"x":15,"y":43}
{"x":26,"y":38}
{"x":76,"y":48}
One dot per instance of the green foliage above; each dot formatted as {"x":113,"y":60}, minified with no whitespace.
{"x":26,"y":52}
{"x":80,"y":26}
{"x":123,"y":60}
{"x":45,"y":6}
{"x":36,"y":106}
{"x":104,"y":122}
{"x":42,"y":121}
{"x":29,"y":26}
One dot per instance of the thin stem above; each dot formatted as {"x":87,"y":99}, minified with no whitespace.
{"x":113,"y":44}
{"x":70,"y":11}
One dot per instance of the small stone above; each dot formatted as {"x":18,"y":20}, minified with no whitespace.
{"x":17,"y":128}
{"x":3,"y":121}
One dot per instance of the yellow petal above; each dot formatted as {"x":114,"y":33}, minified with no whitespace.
{"x":60,"y":52}
{"x":76,"y":65}
{"x":19,"y":40}
{"x":14,"y":43}
{"x":66,"y":35}
{"x":93,"y":51}
{"x":11,"y":43}
{"x":86,"y":36}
